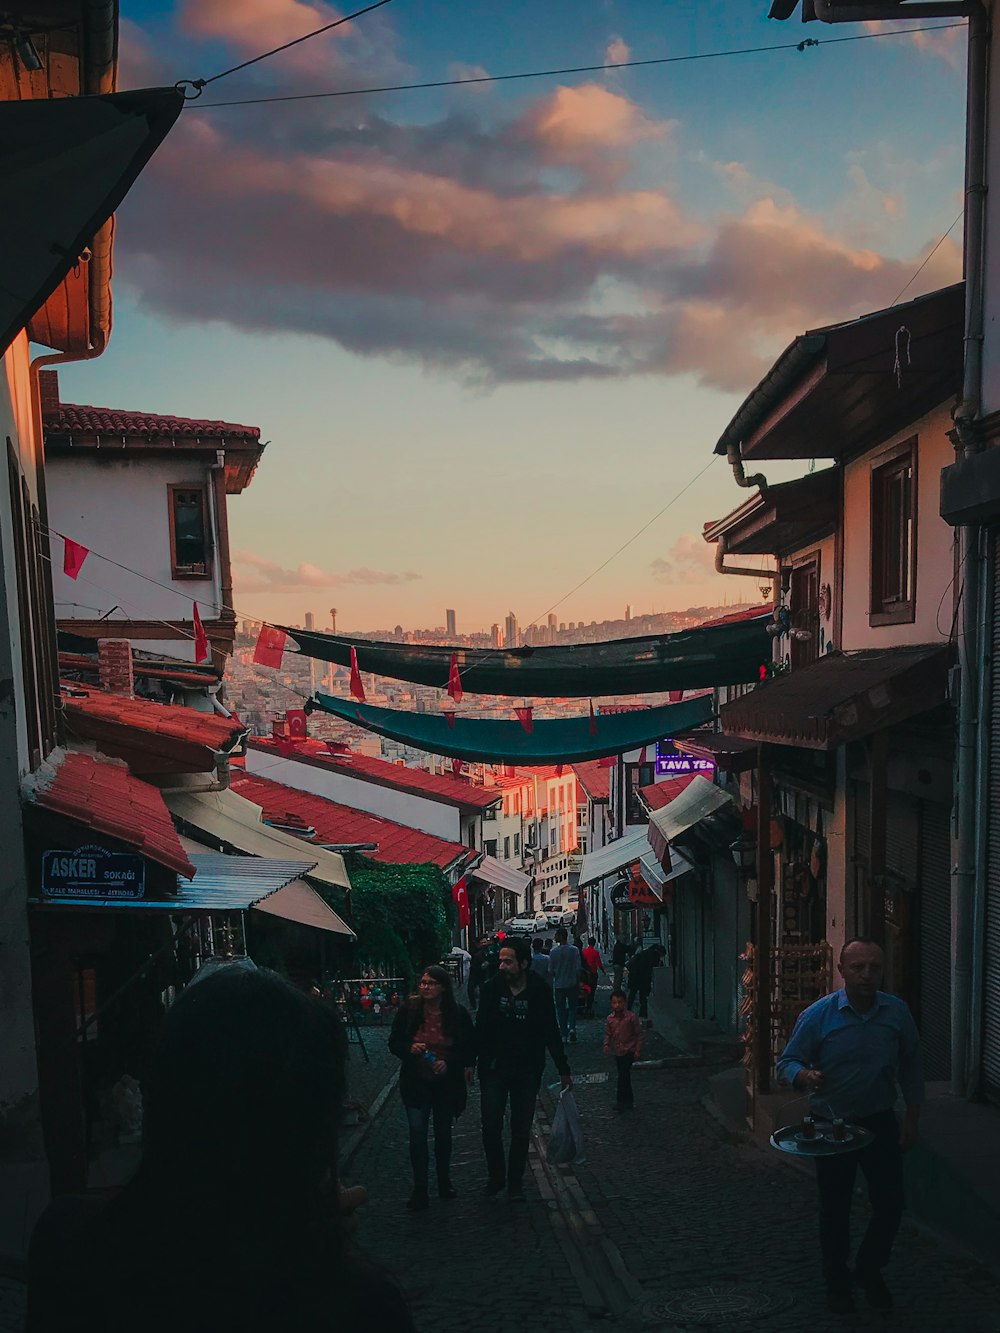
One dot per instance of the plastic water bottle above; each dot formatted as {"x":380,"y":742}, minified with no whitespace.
{"x":430,"y":1057}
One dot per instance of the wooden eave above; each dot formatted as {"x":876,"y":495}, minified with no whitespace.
{"x":78,"y":43}
{"x":783,"y":517}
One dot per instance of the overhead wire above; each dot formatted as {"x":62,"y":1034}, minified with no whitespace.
{"x":554,"y":72}
{"x":200,"y":84}
{"x":917,"y":272}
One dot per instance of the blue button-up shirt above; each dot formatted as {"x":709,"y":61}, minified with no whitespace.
{"x":862,"y":1055}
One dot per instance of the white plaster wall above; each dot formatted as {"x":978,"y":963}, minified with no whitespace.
{"x":119,"y":508}
{"x":413,"y":811}
{"x":935,"y":543}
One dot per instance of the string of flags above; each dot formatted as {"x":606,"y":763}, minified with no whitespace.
{"x":270,"y":648}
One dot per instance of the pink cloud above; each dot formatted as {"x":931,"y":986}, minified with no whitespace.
{"x":689,"y":560}
{"x":272,"y":577}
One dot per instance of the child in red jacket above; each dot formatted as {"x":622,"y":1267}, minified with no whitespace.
{"x":623,"y":1040}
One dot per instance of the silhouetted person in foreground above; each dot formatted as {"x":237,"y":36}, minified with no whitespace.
{"x":235,"y":1219}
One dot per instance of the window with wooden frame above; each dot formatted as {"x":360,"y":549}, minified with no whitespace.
{"x":190,"y":533}
{"x":637,"y":775}
{"x":803,"y":606}
{"x":894,"y":536}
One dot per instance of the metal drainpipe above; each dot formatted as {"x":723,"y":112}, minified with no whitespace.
{"x":969,"y":760}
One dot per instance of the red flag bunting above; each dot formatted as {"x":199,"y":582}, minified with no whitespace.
{"x":450,"y":719}
{"x":675,"y":696}
{"x":460,"y":893}
{"x":296,"y":719}
{"x":608,"y":761}
{"x":357,"y":689}
{"x":270,"y":647}
{"x":593,"y":719}
{"x":642,"y":757}
{"x":73,"y":557}
{"x":200,"y":637}
{"x":524,"y":716}
{"x":454,"y":680}
{"x":456,"y":766}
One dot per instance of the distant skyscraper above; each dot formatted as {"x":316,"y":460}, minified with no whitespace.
{"x":451,"y":631}
{"x":496,"y":636}
{"x":628,"y":612}
{"x":310,"y":620}
{"x":512,"y":635}
{"x":552,"y":620}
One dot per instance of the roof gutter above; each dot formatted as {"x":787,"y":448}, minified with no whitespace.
{"x":721,"y":567}
{"x":798,"y":358}
{"x":831,"y":12}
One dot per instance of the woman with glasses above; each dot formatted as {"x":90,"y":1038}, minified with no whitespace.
{"x":433,"y":1037}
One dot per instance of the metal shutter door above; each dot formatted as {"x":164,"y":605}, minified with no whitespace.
{"x":991,"y":970}
{"x":934,"y":947}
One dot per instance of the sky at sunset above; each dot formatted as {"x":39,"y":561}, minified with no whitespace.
{"x":490,"y":331}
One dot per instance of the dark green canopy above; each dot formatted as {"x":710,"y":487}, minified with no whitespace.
{"x":564,"y":740}
{"x":696,"y":659}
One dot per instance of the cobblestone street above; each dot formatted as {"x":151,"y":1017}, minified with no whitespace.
{"x":669,"y":1224}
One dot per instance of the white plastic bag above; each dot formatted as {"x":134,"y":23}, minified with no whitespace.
{"x":565,"y":1143}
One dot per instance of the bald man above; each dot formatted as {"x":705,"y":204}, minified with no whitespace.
{"x":848,"y":1053}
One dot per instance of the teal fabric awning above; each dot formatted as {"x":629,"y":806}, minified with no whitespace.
{"x":551,"y":740}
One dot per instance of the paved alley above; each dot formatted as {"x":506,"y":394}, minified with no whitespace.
{"x":669,"y":1224}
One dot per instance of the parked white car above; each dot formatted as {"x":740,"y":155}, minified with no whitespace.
{"x":527,"y":924}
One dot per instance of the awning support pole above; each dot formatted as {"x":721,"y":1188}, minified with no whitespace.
{"x":878,"y":754}
{"x":763,"y":950}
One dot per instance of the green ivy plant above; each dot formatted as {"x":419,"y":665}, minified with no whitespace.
{"x":403,"y":914}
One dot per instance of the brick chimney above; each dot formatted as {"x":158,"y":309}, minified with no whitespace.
{"x":114,"y":666}
{"x":48,"y":392}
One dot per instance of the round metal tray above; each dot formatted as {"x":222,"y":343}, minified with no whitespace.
{"x":790,"y":1140}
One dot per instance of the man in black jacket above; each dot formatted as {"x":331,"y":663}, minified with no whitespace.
{"x":515,"y":1024}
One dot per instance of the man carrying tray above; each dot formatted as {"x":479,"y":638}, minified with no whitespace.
{"x":849,"y":1051}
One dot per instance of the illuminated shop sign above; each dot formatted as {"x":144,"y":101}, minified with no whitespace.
{"x":671,"y":763}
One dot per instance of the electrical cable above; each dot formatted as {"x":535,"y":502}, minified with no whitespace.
{"x":552,"y":73}
{"x":933,"y":252}
{"x":199,"y":85}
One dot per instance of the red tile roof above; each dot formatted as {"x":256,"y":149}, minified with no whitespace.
{"x":447,"y":790}
{"x":595,"y":780}
{"x":139,"y":727}
{"x":103,"y":795}
{"x":336,"y":823}
{"x":80,"y":419}
{"x":659,"y":794}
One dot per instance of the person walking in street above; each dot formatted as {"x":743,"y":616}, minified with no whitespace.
{"x":433,"y":1037}
{"x":515,"y":1026}
{"x":640,"y":977}
{"x":848,"y":1052}
{"x":476,"y":977}
{"x":593,"y":964}
{"x":619,"y":958}
{"x":623,"y":1040}
{"x":540,"y":962}
{"x":565,"y":966}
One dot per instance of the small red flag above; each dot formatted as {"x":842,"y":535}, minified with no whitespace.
{"x":449,"y":717}
{"x":454,"y":680}
{"x":675,"y":696}
{"x":357,"y":689}
{"x":523,"y":716}
{"x":456,"y":766}
{"x":270,"y":647}
{"x":642,"y":757}
{"x":460,"y":893}
{"x":200,"y":637}
{"x":593,"y":719}
{"x":73,"y":557}
{"x":559,"y":770}
{"x":608,"y":761}
{"x":296,"y":719}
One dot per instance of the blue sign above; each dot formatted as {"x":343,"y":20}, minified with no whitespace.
{"x":92,"y":872}
{"x":671,"y":763}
